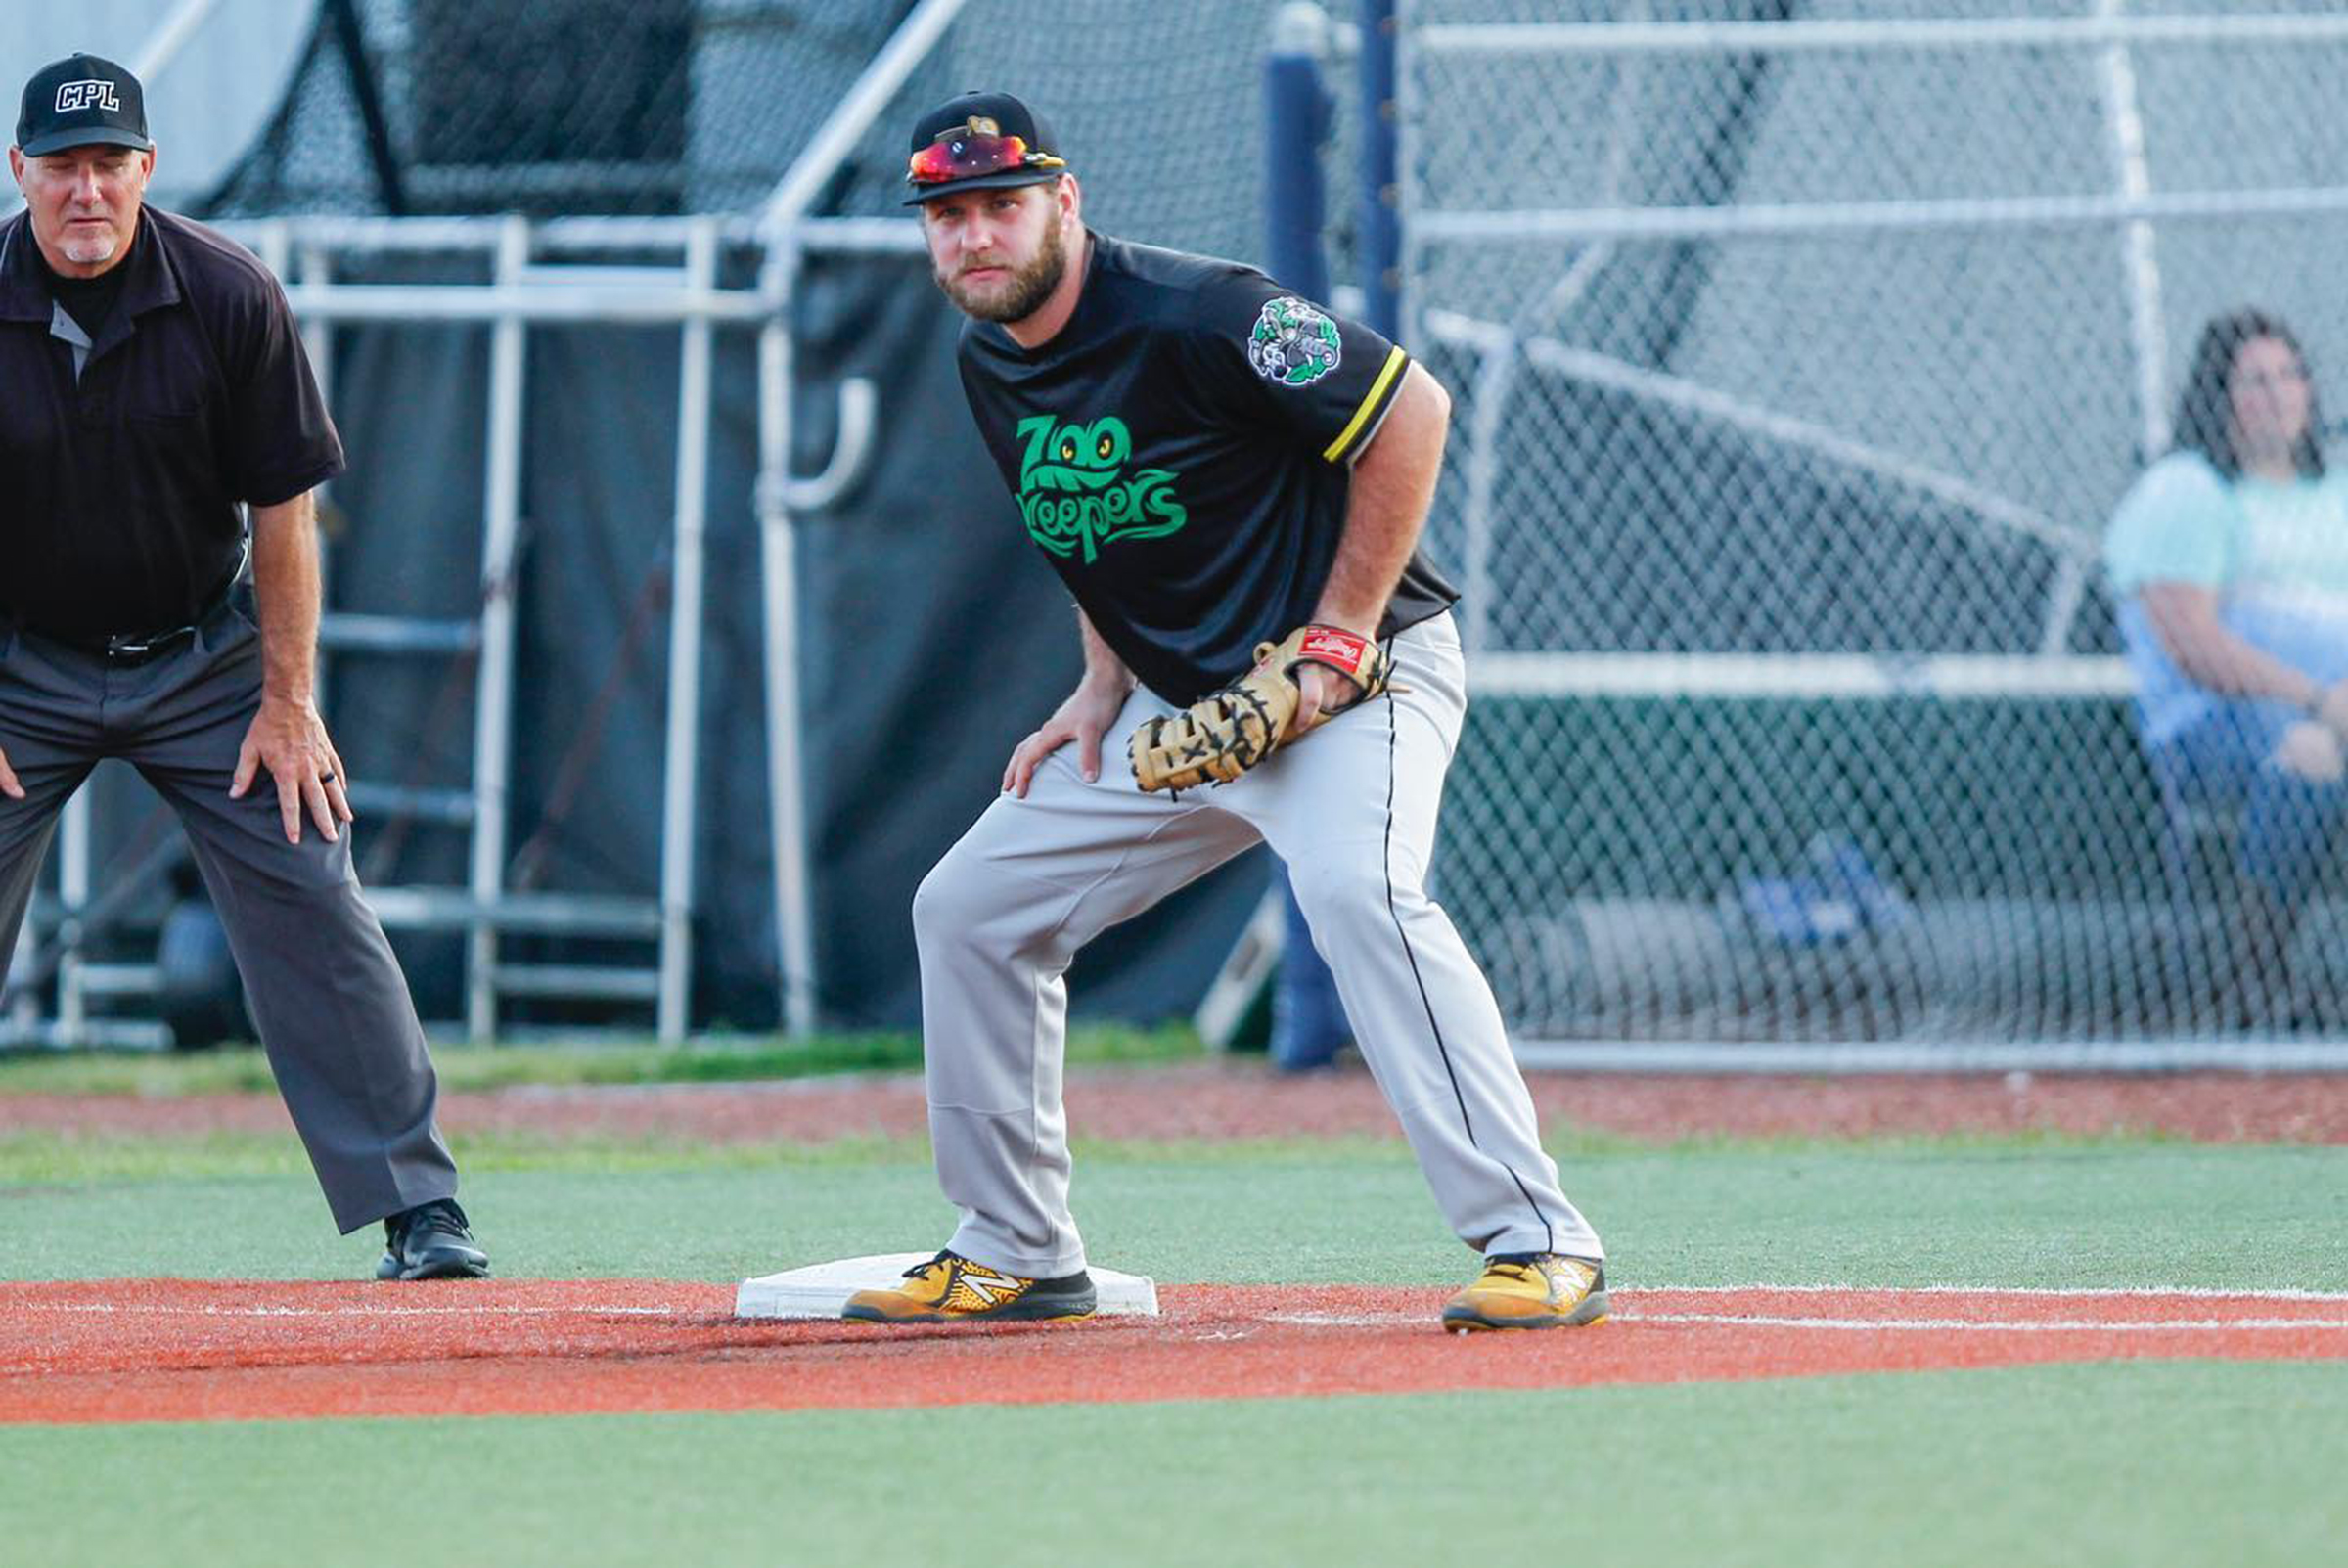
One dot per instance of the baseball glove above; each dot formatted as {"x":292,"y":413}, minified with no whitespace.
{"x":1226,"y":733}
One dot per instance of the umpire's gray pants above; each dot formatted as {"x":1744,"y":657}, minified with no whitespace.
{"x":332,"y":1007}
{"x":1352,"y":810}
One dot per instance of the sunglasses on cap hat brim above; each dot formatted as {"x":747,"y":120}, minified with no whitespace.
{"x":962,"y":159}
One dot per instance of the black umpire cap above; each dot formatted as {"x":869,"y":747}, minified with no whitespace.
{"x":79,"y":100}
{"x":981,"y":141}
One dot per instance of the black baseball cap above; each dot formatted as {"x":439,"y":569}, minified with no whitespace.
{"x":79,"y":100}
{"x":981,"y":141}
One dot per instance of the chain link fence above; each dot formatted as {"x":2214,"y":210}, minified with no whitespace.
{"x":661,"y":107}
{"x":1800,"y":355}
{"x":1800,"y":352}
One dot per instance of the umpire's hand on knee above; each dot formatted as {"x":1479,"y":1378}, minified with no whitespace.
{"x":7,"y":779}
{"x":288,"y":739}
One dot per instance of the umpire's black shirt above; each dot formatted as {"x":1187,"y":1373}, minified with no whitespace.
{"x":120,"y":475}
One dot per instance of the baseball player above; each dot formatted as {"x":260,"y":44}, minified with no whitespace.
{"x":151,"y":381}
{"x":1231,"y":482}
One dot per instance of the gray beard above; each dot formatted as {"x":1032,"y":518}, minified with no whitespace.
{"x":1031,"y":286}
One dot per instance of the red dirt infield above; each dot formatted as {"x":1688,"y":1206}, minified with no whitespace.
{"x":1239,"y":1098}
{"x":174,"y":1349}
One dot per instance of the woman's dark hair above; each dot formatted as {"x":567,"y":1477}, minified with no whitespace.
{"x":2204,"y":412}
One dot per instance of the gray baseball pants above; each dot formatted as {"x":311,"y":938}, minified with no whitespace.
{"x":326,"y":993}
{"x":1351,"y":809}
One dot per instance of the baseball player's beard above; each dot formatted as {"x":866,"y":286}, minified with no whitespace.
{"x":1022,"y":294}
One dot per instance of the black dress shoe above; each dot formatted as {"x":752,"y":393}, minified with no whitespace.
{"x":431,"y":1242}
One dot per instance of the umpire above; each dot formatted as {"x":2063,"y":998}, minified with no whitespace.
{"x":151,"y":381}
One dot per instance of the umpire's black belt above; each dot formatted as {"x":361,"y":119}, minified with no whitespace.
{"x":131,"y":648}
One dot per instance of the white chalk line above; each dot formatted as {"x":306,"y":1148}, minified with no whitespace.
{"x":1627,"y":1310}
{"x":168,"y":1310}
{"x":1978,"y":1325}
{"x":1396,"y":1320}
{"x":2194,"y":1292}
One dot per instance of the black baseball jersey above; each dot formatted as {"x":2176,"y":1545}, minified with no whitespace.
{"x":1182,"y":450}
{"x":119,"y":486}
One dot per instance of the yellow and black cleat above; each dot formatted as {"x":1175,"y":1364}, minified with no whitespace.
{"x":950,"y":1288}
{"x":1530,"y":1291}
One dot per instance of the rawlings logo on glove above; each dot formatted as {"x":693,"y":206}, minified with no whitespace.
{"x":1226,"y":733}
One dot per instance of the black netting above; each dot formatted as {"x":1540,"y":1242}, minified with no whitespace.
{"x":645,"y":107}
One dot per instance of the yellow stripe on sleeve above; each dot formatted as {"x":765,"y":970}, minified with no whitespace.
{"x":1395,"y":360}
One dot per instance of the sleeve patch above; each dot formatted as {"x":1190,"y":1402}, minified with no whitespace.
{"x":1293,"y":344}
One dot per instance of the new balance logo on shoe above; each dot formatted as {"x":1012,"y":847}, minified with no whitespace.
{"x":951,"y":1289}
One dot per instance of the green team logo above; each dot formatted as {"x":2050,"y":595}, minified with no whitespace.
{"x":1294,"y":344}
{"x":1075,"y":494}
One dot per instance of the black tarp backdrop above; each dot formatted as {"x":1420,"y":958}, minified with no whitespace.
{"x":932,"y":638}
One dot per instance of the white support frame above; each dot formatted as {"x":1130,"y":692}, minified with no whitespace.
{"x":1846,"y":677}
{"x":521,"y":292}
{"x":1788,"y":220}
{"x":681,"y":776}
{"x":779,"y":583}
{"x":1797,"y":37}
{"x":493,"y":682}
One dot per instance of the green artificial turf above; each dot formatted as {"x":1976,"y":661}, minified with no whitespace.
{"x":471,"y":1066}
{"x":1906,"y":1213}
{"x":2087,"y":1464}
{"x":2073,"y":1465}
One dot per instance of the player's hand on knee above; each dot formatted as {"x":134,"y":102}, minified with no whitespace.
{"x":7,"y":779}
{"x":1084,"y":718}
{"x":1057,"y":732}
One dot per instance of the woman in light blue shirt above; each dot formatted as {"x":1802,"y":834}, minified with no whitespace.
{"x":2229,"y":560}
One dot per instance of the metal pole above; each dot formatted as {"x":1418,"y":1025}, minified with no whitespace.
{"x":1382,"y":193}
{"x":24,"y":1013}
{"x":1495,"y":376}
{"x":682,"y":782}
{"x":2132,"y":168}
{"x":1904,"y":216}
{"x":73,"y":895}
{"x":912,"y":42}
{"x":170,"y":38}
{"x":318,"y":342}
{"x":1512,"y":39}
{"x":493,"y":689}
{"x":2139,"y":263}
{"x":778,"y":543}
{"x":1295,"y":124}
